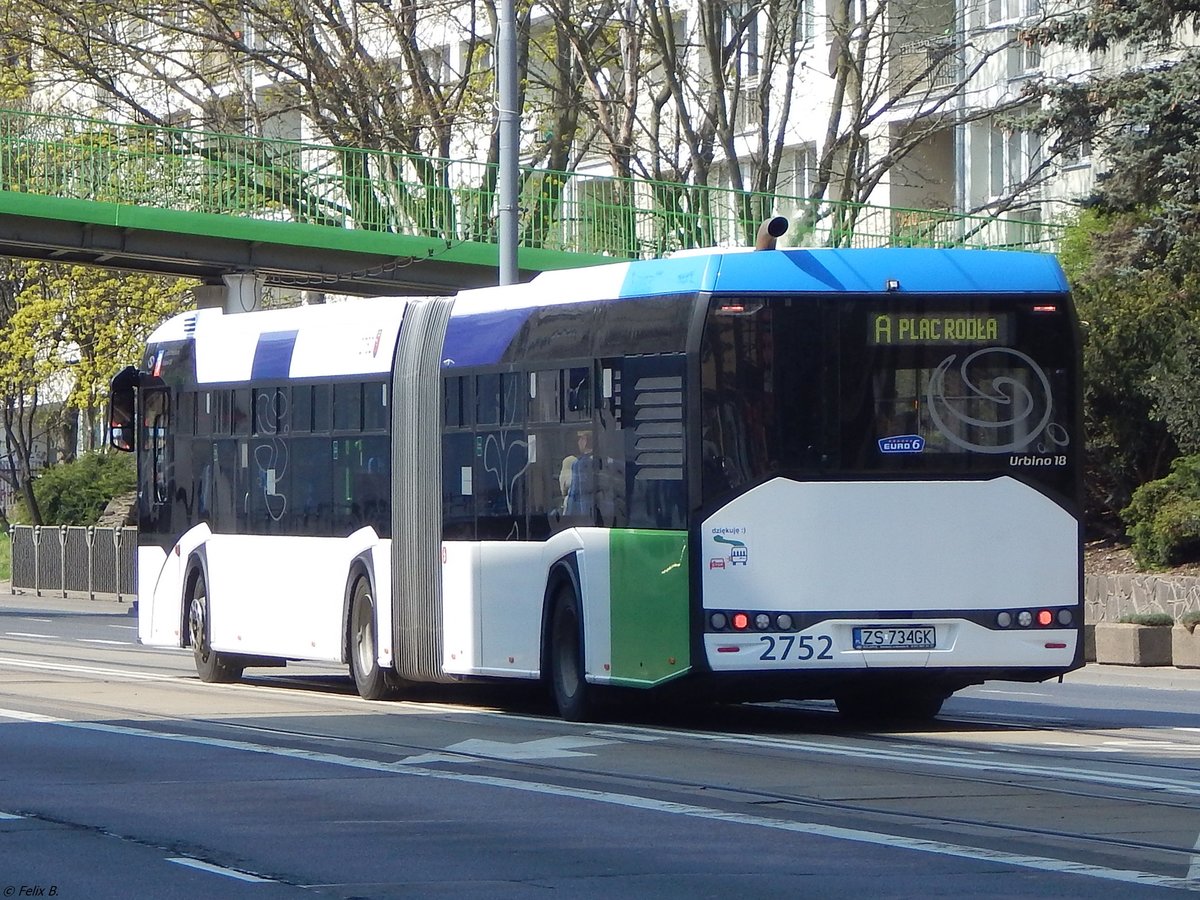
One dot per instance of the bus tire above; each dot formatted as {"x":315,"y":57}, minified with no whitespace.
{"x":211,"y":666}
{"x":372,"y":680}
{"x":913,"y":705}
{"x":573,"y":696}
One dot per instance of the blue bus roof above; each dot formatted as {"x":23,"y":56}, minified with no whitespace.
{"x":485,"y":320}
{"x":857,"y":271}
{"x":916,"y":270}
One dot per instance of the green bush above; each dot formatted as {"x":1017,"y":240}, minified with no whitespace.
{"x":1163,"y":517}
{"x":1158,"y":620}
{"x":75,"y":493}
{"x":1190,"y":620}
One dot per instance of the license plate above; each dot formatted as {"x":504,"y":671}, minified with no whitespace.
{"x":907,"y":637}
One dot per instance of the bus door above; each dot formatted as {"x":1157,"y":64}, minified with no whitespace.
{"x":154,"y":462}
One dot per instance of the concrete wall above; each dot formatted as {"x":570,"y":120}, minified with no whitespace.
{"x":1108,"y":598}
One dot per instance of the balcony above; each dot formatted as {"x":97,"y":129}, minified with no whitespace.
{"x":925,"y":67}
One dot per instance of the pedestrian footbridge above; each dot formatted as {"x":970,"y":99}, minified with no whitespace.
{"x":359,"y":221}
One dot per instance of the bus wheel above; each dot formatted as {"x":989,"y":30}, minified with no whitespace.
{"x":372,"y":681}
{"x":212,"y":667}
{"x":910,"y":705}
{"x":573,"y":696}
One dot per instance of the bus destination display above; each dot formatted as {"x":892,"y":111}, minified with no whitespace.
{"x":898,"y":329}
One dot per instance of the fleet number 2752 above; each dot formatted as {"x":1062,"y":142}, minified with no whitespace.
{"x":801,"y":648}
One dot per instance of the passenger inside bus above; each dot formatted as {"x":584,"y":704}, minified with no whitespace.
{"x":581,"y":492}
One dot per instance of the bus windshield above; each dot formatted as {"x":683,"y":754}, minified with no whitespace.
{"x":921,"y":386}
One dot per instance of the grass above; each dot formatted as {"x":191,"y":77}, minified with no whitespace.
{"x":5,"y":557}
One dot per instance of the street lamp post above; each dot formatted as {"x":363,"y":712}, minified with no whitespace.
{"x":509,"y":140}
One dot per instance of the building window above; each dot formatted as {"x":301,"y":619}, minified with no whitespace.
{"x":1002,"y":160}
{"x":1077,"y":153}
{"x":741,"y":30}
{"x":1024,"y":58}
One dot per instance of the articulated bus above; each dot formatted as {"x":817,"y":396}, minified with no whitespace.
{"x":736,"y":475}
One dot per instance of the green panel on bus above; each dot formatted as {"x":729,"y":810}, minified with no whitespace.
{"x":649,"y":606}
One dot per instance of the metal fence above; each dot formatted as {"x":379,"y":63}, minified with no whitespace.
{"x":357,"y":190}
{"x":53,"y":559}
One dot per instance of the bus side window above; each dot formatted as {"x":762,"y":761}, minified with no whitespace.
{"x":579,"y":394}
{"x":487,"y":399}
{"x":454,"y":402}
{"x":242,"y":411}
{"x":545,"y":397}
{"x":514,"y":397}
{"x":347,"y":407}
{"x":322,"y":408}
{"x":302,"y":408}
{"x":222,"y":412}
{"x":154,"y":442}
{"x":205,"y":414}
{"x":375,"y":406}
{"x":121,"y":404}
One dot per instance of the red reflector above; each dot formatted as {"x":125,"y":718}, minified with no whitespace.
{"x":1056,"y":646}
{"x":1045,"y":309}
{"x":741,"y":621}
{"x":1045,"y":617}
{"x":728,"y":649}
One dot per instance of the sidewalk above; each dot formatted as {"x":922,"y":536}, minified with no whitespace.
{"x":55,"y":602}
{"x":1164,"y":678}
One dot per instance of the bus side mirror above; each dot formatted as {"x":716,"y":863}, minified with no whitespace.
{"x":122,"y":402}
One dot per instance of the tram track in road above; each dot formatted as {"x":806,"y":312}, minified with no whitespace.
{"x":1124,"y":858}
{"x":754,"y":797}
{"x":931,"y":763}
{"x":989,"y":834}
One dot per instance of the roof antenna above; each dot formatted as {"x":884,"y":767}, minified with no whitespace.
{"x":770,"y":231}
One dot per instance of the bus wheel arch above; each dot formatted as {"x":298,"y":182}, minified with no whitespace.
{"x":212,"y":666}
{"x":563,"y":645}
{"x":361,"y":641}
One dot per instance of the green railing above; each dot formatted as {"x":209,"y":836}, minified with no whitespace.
{"x":451,"y":200}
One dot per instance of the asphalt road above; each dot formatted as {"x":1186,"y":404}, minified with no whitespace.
{"x":121,"y":775}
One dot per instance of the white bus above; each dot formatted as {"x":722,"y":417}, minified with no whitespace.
{"x":847,"y":474}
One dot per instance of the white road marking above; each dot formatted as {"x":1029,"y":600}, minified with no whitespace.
{"x":102,"y":641}
{"x":649,"y":804}
{"x":544,"y":748}
{"x":218,"y":870}
{"x":935,"y":759}
{"x":1193,"y":875}
{"x":88,"y":670}
{"x":27,"y":634}
{"x":31,"y":619}
{"x":126,"y":627}
{"x":8,"y":817}
{"x":1007,"y":717}
{"x":623,"y":736}
{"x":21,"y":716}
{"x":1040,"y":696}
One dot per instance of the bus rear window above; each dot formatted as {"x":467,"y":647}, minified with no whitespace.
{"x":947,"y":381}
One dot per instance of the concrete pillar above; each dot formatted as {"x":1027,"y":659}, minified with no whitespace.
{"x":241,"y":292}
